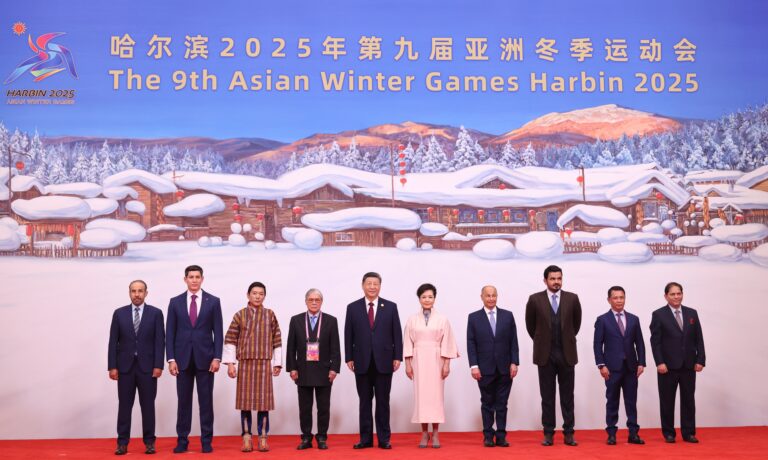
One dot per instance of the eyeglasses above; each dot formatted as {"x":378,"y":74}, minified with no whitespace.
{"x":314,"y":300}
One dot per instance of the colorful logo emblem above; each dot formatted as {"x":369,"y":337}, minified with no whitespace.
{"x":49,"y":59}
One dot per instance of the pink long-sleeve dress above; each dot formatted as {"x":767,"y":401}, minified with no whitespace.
{"x":428,"y":343}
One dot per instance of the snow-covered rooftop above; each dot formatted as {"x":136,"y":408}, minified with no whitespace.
{"x":120,"y":192}
{"x":157,"y":184}
{"x":594,"y":215}
{"x":52,"y":207}
{"x":82,"y":189}
{"x":712,"y":175}
{"x":362,"y":218}
{"x":200,"y":205}
{"x":738,"y":196}
{"x":751,"y":178}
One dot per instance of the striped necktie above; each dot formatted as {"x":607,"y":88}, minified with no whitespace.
{"x":136,"y":320}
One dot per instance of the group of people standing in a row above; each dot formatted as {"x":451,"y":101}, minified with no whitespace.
{"x":374,"y":347}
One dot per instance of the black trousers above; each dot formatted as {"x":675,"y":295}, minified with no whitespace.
{"x":323,"y":395}
{"x":369,"y":385}
{"x":556,"y":372}
{"x":494,"y":394}
{"x":668,"y":383}
{"x":185,"y":385}
{"x":127,"y":385}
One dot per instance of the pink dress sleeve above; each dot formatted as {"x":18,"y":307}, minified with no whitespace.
{"x":448,"y":347}
{"x":408,"y":340}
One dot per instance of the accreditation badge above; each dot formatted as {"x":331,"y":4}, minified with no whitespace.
{"x":313,"y":351}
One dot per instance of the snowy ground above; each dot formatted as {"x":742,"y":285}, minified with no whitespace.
{"x":55,"y":315}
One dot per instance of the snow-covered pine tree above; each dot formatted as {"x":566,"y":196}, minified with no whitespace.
{"x":528,"y":156}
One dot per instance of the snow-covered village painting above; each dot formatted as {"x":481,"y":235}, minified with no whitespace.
{"x":623,"y":184}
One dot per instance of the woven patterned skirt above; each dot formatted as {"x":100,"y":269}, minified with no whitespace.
{"x":254,"y":385}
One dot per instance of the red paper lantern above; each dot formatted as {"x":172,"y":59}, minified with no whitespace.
{"x":238,"y":217}
{"x":401,"y":155}
{"x":401,"y":147}
{"x":402,"y":164}
{"x":580,"y":179}
{"x":455,"y":212}
{"x":260,"y":216}
{"x":430,"y":210}
{"x":235,"y":207}
{"x":505,"y":213}
{"x":402,"y":172}
{"x":568,"y":231}
{"x":297,"y":209}
{"x":403,"y":180}
{"x":29,"y":230}
{"x":502,"y":186}
{"x":179,"y":194}
{"x":659,"y":195}
{"x":481,"y":213}
{"x":70,"y":230}
{"x":531,"y":213}
{"x":19,"y":165}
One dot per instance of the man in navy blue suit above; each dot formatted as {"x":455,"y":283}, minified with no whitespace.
{"x":620,"y":357}
{"x":678,"y":349}
{"x":373,"y":346}
{"x":194,"y":344}
{"x":135,"y":360}
{"x":493,"y":359}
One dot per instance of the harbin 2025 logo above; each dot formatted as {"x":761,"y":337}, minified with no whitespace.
{"x":48,"y":58}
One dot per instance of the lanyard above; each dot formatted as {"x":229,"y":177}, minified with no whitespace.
{"x":319,"y":323}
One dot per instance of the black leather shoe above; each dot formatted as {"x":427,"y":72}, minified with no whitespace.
{"x":385,"y":445}
{"x":547,"y":440}
{"x":305,"y":444}
{"x":180,"y":449}
{"x":502,"y":443}
{"x":150,"y":448}
{"x":569,"y":441}
{"x":207,"y":448}
{"x":635,"y":439}
{"x":488,"y":443}
{"x":611,"y":440}
{"x":691,"y":439}
{"x":363,"y":445}
{"x":669,"y":439}
{"x":122,"y":449}
{"x":322,"y":444}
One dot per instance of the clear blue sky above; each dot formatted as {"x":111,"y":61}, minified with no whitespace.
{"x":731,"y":62}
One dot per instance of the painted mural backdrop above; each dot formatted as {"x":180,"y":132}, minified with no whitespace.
{"x":276,"y":142}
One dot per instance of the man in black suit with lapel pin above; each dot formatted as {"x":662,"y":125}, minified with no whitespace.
{"x":620,"y":357}
{"x":678,"y":349}
{"x":135,"y":360}
{"x":314,"y":360}
{"x":373,"y":349}
{"x":493,"y":359}
{"x":195,"y":339}
{"x":553,"y":318}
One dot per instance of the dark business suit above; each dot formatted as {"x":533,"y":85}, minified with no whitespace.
{"x":313,"y":375}
{"x":554,"y":352}
{"x":680,"y":351}
{"x":493,"y":355}
{"x":135,"y":355}
{"x":194,"y":348}
{"x":373,"y":351}
{"x":621,"y":354}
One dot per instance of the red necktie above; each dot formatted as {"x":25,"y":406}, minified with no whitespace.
{"x":370,"y":314}
{"x":193,"y":310}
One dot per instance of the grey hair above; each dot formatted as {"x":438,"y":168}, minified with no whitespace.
{"x":311,"y":291}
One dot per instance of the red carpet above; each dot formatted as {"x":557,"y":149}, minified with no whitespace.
{"x":716,"y":443}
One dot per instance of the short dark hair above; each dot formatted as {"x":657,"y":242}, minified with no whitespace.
{"x":256,"y":284}
{"x":371,"y":275}
{"x":552,"y":269}
{"x":137,"y":281}
{"x":193,"y":268}
{"x":615,"y":288}
{"x":670,"y":285}
{"x":426,"y":287}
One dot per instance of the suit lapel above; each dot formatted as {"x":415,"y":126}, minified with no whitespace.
{"x":546,"y":308}
{"x":379,"y":312}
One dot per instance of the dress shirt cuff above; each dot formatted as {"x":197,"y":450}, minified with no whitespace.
{"x":171,"y":360}
{"x":601,"y":364}
{"x":277,"y":357}
{"x":474,"y":367}
{"x":230,"y":354}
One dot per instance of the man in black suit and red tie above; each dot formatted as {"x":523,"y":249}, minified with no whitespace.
{"x":313,"y":361}
{"x":620,"y":357}
{"x":553,"y":318}
{"x":678,"y":349}
{"x":195,"y":340}
{"x":373,"y":349}
{"x":135,"y":360}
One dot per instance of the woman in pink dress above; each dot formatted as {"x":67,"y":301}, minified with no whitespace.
{"x":428,"y":349}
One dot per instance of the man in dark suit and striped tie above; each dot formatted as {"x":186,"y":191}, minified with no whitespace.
{"x":678,"y":349}
{"x":135,"y":360}
{"x":620,"y":357}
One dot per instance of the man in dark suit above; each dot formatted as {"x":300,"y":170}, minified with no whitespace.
{"x":373,"y":348}
{"x":553,"y":318}
{"x":493,"y":360}
{"x":620,"y":357}
{"x":194,"y":344}
{"x":135,"y":360}
{"x":314,"y":360}
{"x":678,"y":349}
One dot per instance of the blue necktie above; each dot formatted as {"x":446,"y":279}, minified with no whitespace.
{"x":313,"y":321}
{"x":493,"y":322}
{"x":555,"y":306}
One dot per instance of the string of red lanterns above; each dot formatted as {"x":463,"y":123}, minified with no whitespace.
{"x":402,"y":163}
